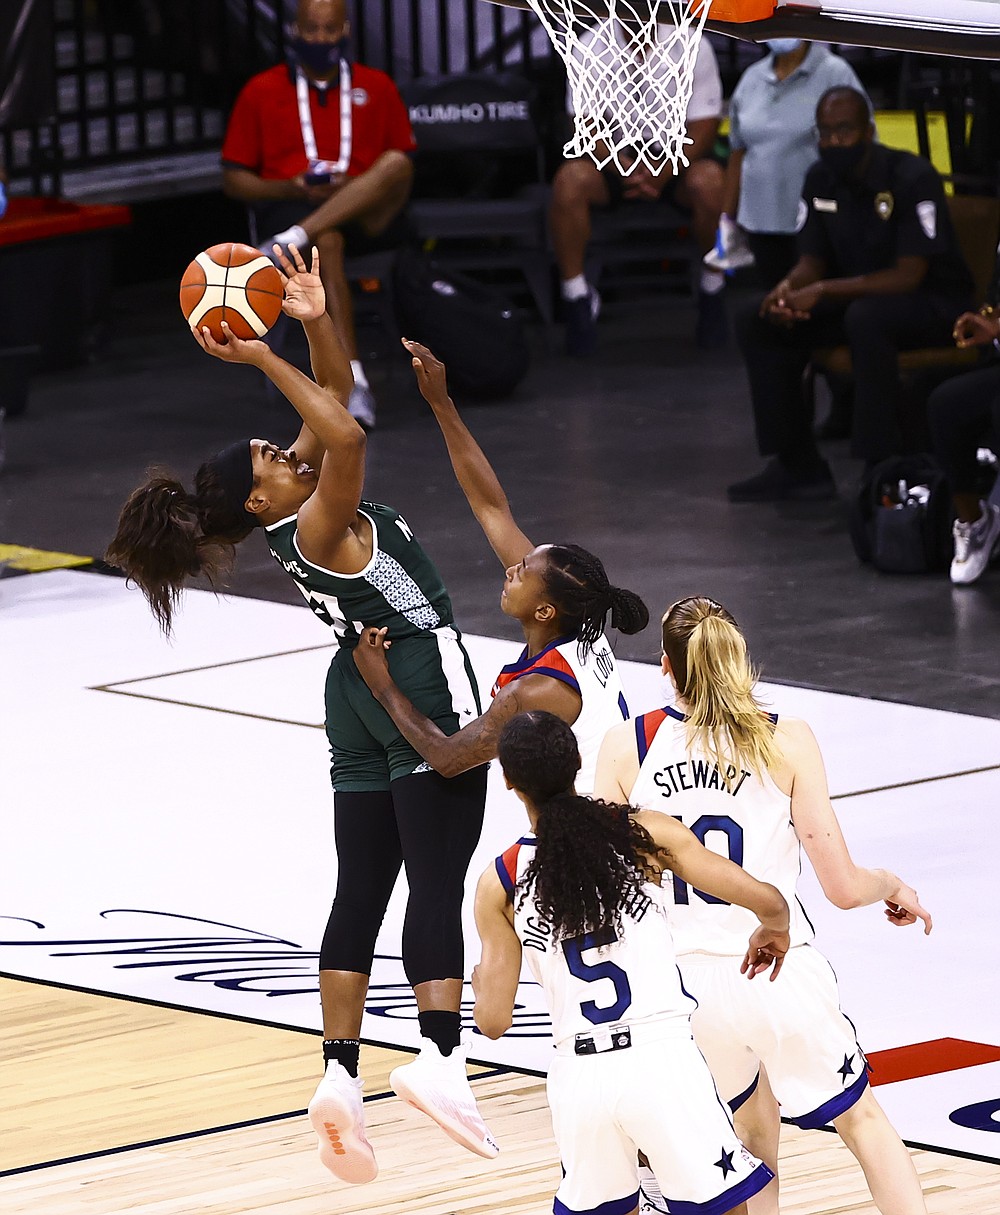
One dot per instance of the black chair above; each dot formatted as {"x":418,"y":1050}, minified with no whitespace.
{"x":479,"y":196}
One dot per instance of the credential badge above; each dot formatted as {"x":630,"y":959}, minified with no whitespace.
{"x":884,"y":203}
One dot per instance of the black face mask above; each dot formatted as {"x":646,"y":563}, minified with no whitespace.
{"x":842,"y":162}
{"x":319,"y":58}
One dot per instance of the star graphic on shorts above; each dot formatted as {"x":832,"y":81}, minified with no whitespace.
{"x":726,"y":1163}
{"x":321,"y":610}
{"x":848,"y":1068}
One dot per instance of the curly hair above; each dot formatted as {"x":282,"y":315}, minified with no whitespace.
{"x":166,"y":536}
{"x":583,"y":596}
{"x":591,"y":858}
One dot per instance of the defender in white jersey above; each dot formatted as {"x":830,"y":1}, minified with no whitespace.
{"x":581,"y":901}
{"x":752,"y":787}
{"x":558,"y":593}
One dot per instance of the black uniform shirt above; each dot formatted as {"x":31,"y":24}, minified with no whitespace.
{"x":897,"y":209}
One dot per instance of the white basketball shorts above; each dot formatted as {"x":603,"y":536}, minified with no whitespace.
{"x":794,"y":1026}
{"x":657,"y":1096}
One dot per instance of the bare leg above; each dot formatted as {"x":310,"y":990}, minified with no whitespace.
{"x":372,"y":199}
{"x":342,"y":994}
{"x":443,"y":994}
{"x":339,"y":303}
{"x":576,"y":188}
{"x":758,"y":1124}
{"x":702,"y":189}
{"x":883,"y":1156}
{"x":967,"y":507}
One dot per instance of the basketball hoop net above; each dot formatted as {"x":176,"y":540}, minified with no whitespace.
{"x":630,"y":65}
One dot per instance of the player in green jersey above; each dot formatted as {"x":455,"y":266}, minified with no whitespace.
{"x":353,"y":561}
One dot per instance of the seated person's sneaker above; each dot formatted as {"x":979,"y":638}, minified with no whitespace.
{"x":711,"y":330}
{"x":337,"y":1114}
{"x":581,"y":323}
{"x":975,"y":544}
{"x":438,"y":1086}
{"x":361,"y":406}
{"x":777,"y":483}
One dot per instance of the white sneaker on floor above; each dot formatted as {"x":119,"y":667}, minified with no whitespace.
{"x":438,"y":1086}
{"x":337,"y":1114}
{"x":651,"y":1200}
{"x":974,"y":545}
{"x":361,"y":406}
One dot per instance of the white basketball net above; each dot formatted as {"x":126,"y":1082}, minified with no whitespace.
{"x":631,"y":69}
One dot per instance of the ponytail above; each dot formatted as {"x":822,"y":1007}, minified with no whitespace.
{"x":583,"y":596}
{"x":708,"y":656}
{"x":166,"y":536}
{"x":590,"y":858}
{"x":589,"y":865}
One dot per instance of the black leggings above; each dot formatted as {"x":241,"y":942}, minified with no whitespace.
{"x":964,"y":414}
{"x":432,"y":826}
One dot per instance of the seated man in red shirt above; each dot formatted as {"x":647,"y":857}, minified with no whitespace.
{"x":320,"y":151}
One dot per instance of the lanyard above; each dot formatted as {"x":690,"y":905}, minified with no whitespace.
{"x":346,"y":119}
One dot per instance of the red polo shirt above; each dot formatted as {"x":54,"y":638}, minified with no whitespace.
{"x":264,"y":133}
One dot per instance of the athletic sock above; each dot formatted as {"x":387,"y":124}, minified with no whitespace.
{"x":294,"y":235}
{"x":443,"y":1028}
{"x":712,"y":281}
{"x":344,"y":1051}
{"x":575,"y":288}
{"x":360,"y":379}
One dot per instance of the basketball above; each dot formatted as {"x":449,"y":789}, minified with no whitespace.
{"x":233,"y":283}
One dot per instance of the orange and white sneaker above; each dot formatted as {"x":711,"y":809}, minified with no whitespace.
{"x":438,"y":1086}
{"x":337,"y":1114}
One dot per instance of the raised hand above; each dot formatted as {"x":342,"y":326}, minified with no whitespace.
{"x":234,"y":349}
{"x":305,"y":298}
{"x":430,"y":372}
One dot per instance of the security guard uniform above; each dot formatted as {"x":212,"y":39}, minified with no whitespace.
{"x":858,"y":226}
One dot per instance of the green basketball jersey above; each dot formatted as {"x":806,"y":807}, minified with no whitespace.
{"x":399,"y":588}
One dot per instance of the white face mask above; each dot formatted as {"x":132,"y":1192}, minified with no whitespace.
{"x":784,"y":46}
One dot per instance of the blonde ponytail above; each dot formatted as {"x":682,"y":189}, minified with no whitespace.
{"x":708,"y":655}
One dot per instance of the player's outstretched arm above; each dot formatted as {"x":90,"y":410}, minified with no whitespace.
{"x":705,"y":870}
{"x":495,"y":979}
{"x":474,"y":744}
{"x":844,"y":883}
{"x":473,"y":471}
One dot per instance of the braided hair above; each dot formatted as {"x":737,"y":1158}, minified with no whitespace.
{"x":591,"y":858}
{"x":582,"y":595}
{"x":166,"y":536}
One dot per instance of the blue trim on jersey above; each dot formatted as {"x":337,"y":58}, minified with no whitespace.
{"x":564,"y":676}
{"x":524,"y":661}
{"x":747,"y":1093}
{"x":757,"y":1180}
{"x":616,"y":1206}
{"x":834,"y":1107}
{"x":640,"y":736}
{"x":623,"y":705}
{"x":504,"y":876}
{"x":672,"y":712}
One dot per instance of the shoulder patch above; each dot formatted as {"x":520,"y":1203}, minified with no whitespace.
{"x":927,"y":214}
{"x":801,"y":215}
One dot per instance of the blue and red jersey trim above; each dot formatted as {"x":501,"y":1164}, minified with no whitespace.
{"x":546,"y":662}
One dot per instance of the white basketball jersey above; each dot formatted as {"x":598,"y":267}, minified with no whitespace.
{"x":750,"y":823}
{"x":599,"y":980}
{"x":597,"y":680}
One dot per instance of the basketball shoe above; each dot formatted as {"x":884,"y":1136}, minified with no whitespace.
{"x":337,"y":1114}
{"x":291,"y":236}
{"x":651,"y":1198}
{"x":581,"y":323}
{"x":361,"y":406}
{"x":438,"y":1086}
{"x":974,"y":545}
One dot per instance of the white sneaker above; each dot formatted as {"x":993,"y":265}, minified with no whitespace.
{"x":361,"y":406}
{"x":439,"y":1087}
{"x":337,"y":1114}
{"x":974,"y":545}
{"x":291,"y":236}
{"x":650,"y":1195}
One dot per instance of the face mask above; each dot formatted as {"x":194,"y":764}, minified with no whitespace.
{"x":319,"y":58}
{"x":784,"y":46}
{"x":843,"y":161}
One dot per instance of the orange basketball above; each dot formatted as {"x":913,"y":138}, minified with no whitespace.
{"x":233,"y":283}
